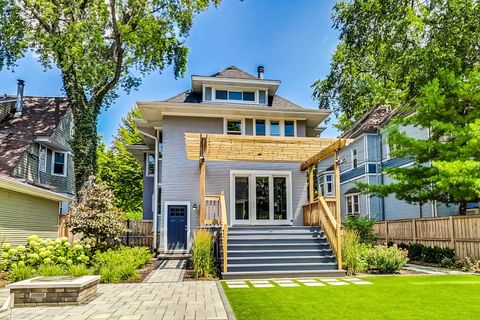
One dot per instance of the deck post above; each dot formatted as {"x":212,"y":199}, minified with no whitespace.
{"x":311,"y":193}
{"x":202,"y":192}
{"x":336,"y":172}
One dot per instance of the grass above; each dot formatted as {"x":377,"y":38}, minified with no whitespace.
{"x":400,"y":297}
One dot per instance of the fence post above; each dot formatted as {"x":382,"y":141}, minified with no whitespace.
{"x":386,"y":231}
{"x":452,"y":232}
{"x":128,"y":232}
{"x":414,"y":230}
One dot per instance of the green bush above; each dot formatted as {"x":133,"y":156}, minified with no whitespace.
{"x":353,"y":252}
{"x":386,"y":259}
{"x":468,"y":265}
{"x":437,"y":255}
{"x":19,"y":273}
{"x":39,"y":251}
{"x":203,"y":265}
{"x":364,"y":227}
{"x":50,"y":270}
{"x":78,"y":270}
{"x":120,"y":264}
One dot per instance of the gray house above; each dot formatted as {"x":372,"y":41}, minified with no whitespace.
{"x":254,"y":142}
{"x":363,"y":161}
{"x":36,"y":165}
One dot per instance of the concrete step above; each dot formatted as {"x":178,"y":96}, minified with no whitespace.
{"x":248,"y":232}
{"x":280,"y":246}
{"x":281,"y":260}
{"x":283,"y":274}
{"x":279,"y":253}
{"x":282,"y":266}
{"x":276,"y":240}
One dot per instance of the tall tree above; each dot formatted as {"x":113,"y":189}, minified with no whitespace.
{"x":447,"y":162}
{"x":119,"y":169}
{"x":99,"y":47}
{"x":389,"y":49}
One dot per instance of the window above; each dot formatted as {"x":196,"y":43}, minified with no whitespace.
{"x":71,"y":128}
{"x":326,"y":184}
{"x":150,"y":168}
{"x":42,"y":159}
{"x":352,"y":206}
{"x":260,"y":128}
{"x":354,"y":158}
{"x":221,"y":94}
{"x":262,"y":97}
{"x":241,"y":198}
{"x":275,"y":128}
{"x":208,"y":94}
{"x":234,"y":127}
{"x":234,"y":95}
{"x":59,"y":163}
{"x":248,"y":96}
{"x":289,"y":128}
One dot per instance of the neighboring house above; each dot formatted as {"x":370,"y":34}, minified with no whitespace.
{"x":363,"y":161}
{"x":254,"y":142}
{"x":36,"y":165}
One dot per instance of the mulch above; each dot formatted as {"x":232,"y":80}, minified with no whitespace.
{"x":189,"y":274}
{"x":151,"y":265}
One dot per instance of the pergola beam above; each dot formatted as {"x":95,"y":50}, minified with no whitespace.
{"x":325,"y":153}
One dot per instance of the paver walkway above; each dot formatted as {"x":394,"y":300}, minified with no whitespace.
{"x":162,"y":296}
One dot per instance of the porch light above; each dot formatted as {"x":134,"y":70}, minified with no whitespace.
{"x":194,"y":207}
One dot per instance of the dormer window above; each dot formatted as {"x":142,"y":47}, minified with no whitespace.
{"x":249,"y":96}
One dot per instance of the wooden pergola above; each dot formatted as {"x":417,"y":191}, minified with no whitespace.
{"x":303,"y":150}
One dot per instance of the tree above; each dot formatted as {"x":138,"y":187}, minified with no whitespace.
{"x":119,"y":169}
{"x":99,"y":47}
{"x":447,"y":163}
{"x":389,"y":49}
{"x":94,"y":213}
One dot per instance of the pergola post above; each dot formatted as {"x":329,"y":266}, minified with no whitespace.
{"x":311,"y":193}
{"x":202,"y":164}
{"x":336,"y":173}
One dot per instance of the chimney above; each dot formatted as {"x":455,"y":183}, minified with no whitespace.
{"x":19,"y":104}
{"x":260,"y":70}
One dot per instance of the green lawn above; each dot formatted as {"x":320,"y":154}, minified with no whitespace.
{"x":403,"y":297}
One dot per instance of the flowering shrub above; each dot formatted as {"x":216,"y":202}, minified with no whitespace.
{"x":44,"y":252}
{"x":386,"y":259}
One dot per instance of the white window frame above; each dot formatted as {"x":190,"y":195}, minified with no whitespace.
{"x":231,"y":88}
{"x":42,"y":168}
{"x":323,"y":185}
{"x":147,"y":164}
{"x":281,"y":124}
{"x":352,"y":196}
{"x":252,"y":174}
{"x":64,"y":164}
{"x":71,"y":129}
{"x":225,"y":125}
{"x":353,"y":158}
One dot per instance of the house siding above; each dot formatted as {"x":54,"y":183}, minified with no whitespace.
{"x":181,"y":176}
{"x":22,"y":215}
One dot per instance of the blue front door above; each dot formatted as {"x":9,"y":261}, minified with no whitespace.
{"x":177,"y":227}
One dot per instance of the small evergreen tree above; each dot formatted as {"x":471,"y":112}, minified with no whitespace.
{"x":94,"y":213}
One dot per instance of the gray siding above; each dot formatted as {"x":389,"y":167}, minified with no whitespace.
{"x":181,"y":176}
{"x":301,"y":128}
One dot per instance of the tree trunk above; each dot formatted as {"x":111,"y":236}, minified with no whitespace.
{"x":463,"y":208}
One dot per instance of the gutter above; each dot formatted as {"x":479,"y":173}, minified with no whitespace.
{"x":155,"y":190}
{"x":22,"y":187}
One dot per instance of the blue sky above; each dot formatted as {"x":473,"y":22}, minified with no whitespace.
{"x":294,"y":40}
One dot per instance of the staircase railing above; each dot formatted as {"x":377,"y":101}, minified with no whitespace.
{"x":216,"y":216}
{"x":320,"y":213}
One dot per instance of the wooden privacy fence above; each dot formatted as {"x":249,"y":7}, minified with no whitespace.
{"x":461,"y":233}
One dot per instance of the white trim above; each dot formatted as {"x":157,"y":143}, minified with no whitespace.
{"x":353,"y":203}
{"x":23,"y":187}
{"x":229,"y":89}
{"x":235,"y":80}
{"x":356,"y":157}
{"x":147,"y":164}
{"x":65,"y":163}
{"x":268,"y":123}
{"x":252,"y":174}
{"x":242,"y":121}
{"x":44,"y":167}
{"x":165,"y":222}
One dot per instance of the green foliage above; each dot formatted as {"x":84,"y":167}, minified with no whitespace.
{"x":386,"y":259}
{"x":19,"y":273}
{"x":94,"y":213}
{"x":120,"y":264}
{"x":203,"y":262}
{"x":100,"y":48}
{"x":353,"y":252}
{"x":468,"y":265}
{"x":422,"y":253}
{"x":121,"y":171}
{"x":364,"y":227}
{"x":446,"y":163}
{"x":49,"y":270}
{"x":78,"y":270}
{"x":390,"y":49}
{"x":44,"y":252}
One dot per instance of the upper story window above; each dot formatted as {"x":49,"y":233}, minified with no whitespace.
{"x":250,"y":96}
{"x":59,"y":163}
{"x":275,"y":128}
{"x":234,"y":126}
{"x":42,"y":159}
{"x":262,"y":96}
{"x":279,"y":128}
{"x":260,"y":127}
{"x":150,"y":167}
{"x":354,"y":158}
{"x":235,"y":95}
{"x":289,"y":128}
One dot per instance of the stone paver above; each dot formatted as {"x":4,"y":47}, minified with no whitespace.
{"x":162,"y":296}
{"x":286,"y":283}
{"x":308,"y":282}
{"x":261,"y":284}
{"x":311,"y":283}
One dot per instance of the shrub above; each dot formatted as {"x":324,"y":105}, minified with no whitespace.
{"x":353,"y":252}
{"x":437,"y":255}
{"x":78,"y":270}
{"x":364,"y":228}
{"x":386,"y":259}
{"x":203,"y":265}
{"x":19,"y":273}
{"x":49,"y":270}
{"x":468,"y":265}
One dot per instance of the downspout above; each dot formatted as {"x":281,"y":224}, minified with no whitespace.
{"x":155,"y":190}
{"x":380,"y":174}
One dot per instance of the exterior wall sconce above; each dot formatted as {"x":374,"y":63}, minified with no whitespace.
{"x":195,"y":207}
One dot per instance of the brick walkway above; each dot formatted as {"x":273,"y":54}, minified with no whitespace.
{"x":162,"y":296}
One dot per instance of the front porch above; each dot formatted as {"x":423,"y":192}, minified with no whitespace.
{"x":259,"y":215}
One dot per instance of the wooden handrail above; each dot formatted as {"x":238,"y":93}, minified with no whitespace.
{"x":223,"y":209}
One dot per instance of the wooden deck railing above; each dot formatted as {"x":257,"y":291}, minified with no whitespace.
{"x":320,"y":213}
{"x":216,"y":215}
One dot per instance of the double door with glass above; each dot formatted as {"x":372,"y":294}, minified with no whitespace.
{"x":261,"y":199}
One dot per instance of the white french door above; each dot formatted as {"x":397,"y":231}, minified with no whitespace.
{"x":261,"y":197}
